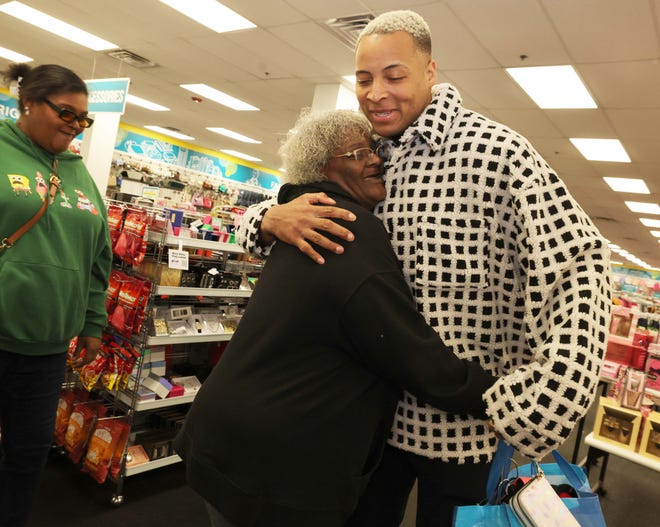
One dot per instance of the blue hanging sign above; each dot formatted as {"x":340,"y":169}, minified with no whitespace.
{"x":107,"y":95}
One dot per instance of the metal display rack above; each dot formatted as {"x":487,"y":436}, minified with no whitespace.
{"x":127,"y":400}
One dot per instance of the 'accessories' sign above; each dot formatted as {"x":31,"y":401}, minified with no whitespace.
{"x":107,"y":95}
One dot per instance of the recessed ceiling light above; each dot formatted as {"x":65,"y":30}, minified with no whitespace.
{"x":55,"y":26}
{"x":233,"y":135}
{"x":139,"y":101}
{"x":648,"y":222}
{"x":240,"y":155}
{"x":14,"y":56}
{"x":211,"y":14}
{"x":167,"y":131}
{"x":643,"y":208}
{"x":630,"y":185}
{"x":219,"y":97}
{"x":553,"y":86}
{"x":601,"y":149}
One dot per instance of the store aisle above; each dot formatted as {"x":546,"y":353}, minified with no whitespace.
{"x":161,"y":497}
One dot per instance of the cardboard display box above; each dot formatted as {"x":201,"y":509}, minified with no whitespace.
{"x":617,"y":425}
{"x":650,"y":445}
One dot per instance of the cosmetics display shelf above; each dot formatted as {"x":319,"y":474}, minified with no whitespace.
{"x":192,"y":243}
{"x":140,"y":406}
{"x":622,"y":452}
{"x":599,"y":452}
{"x":152,"y":465}
{"x":202,"y":291}
{"x":165,"y":296}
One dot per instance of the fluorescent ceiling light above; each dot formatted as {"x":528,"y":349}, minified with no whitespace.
{"x":601,"y":149}
{"x":648,"y":222}
{"x":55,"y":26}
{"x":233,"y":135}
{"x":219,"y":97}
{"x":350,"y":79}
{"x":630,"y":185}
{"x":656,"y":234}
{"x":14,"y":56}
{"x":240,"y":155}
{"x":211,"y":14}
{"x":553,"y":86}
{"x":138,"y":101}
{"x":167,"y":131}
{"x":643,"y":208}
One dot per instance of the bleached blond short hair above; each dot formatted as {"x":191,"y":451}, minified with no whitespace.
{"x":401,"y":20}
{"x":315,"y":138}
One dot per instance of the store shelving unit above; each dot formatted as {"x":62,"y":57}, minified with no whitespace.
{"x":603,"y":449}
{"x":128,"y":398}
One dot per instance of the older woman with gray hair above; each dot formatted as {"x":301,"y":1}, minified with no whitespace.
{"x":291,"y":423}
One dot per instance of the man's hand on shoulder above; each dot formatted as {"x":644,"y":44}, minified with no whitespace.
{"x":301,"y":222}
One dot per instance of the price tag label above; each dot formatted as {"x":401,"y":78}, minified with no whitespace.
{"x":177,"y":259}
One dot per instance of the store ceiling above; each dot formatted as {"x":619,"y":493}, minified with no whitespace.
{"x":614,"y":46}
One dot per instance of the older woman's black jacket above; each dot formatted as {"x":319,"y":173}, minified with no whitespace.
{"x":292,"y":421}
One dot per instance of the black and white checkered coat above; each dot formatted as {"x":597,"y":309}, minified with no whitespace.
{"x":509,"y":270}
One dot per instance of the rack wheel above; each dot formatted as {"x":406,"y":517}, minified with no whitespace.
{"x":117,"y":500}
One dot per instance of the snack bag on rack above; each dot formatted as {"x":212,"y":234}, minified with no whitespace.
{"x":112,"y":292}
{"x":68,"y":398}
{"x":123,"y":316}
{"x":115,"y":221}
{"x":91,"y":372}
{"x":110,"y":374}
{"x":143,"y":299}
{"x":81,"y":422}
{"x":128,"y":357}
{"x":102,"y":445}
{"x":135,"y":227}
{"x":118,"y":454}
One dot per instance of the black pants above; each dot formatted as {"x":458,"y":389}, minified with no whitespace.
{"x":29,"y":392}
{"x":440,"y":487}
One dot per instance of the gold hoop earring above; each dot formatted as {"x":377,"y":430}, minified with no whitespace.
{"x":27,"y":111}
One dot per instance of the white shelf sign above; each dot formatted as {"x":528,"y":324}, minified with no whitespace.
{"x":177,"y":259}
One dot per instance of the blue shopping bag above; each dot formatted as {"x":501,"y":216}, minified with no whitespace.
{"x":585,"y":507}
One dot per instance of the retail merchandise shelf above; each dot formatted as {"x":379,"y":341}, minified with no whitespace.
{"x":127,"y":398}
{"x":202,"y":291}
{"x":188,"y":339}
{"x":622,"y":452}
{"x":653,"y":393}
{"x":194,"y":243}
{"x":151,"y":465}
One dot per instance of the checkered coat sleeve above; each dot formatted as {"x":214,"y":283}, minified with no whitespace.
{"x":247,"y":233}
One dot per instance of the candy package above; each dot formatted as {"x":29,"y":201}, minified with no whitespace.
{"x":115,"y":461}
{"x":82,"y":420}
{"x":103,"y":442}
{"x":68,"y":398}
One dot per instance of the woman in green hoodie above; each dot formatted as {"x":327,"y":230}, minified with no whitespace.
{"x":52,"y":278}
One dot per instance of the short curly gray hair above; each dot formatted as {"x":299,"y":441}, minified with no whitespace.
{"x":401,"y":20}
{"x":314,"y":139}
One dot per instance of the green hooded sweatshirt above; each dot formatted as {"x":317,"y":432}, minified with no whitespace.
{"x":53,"y":280}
